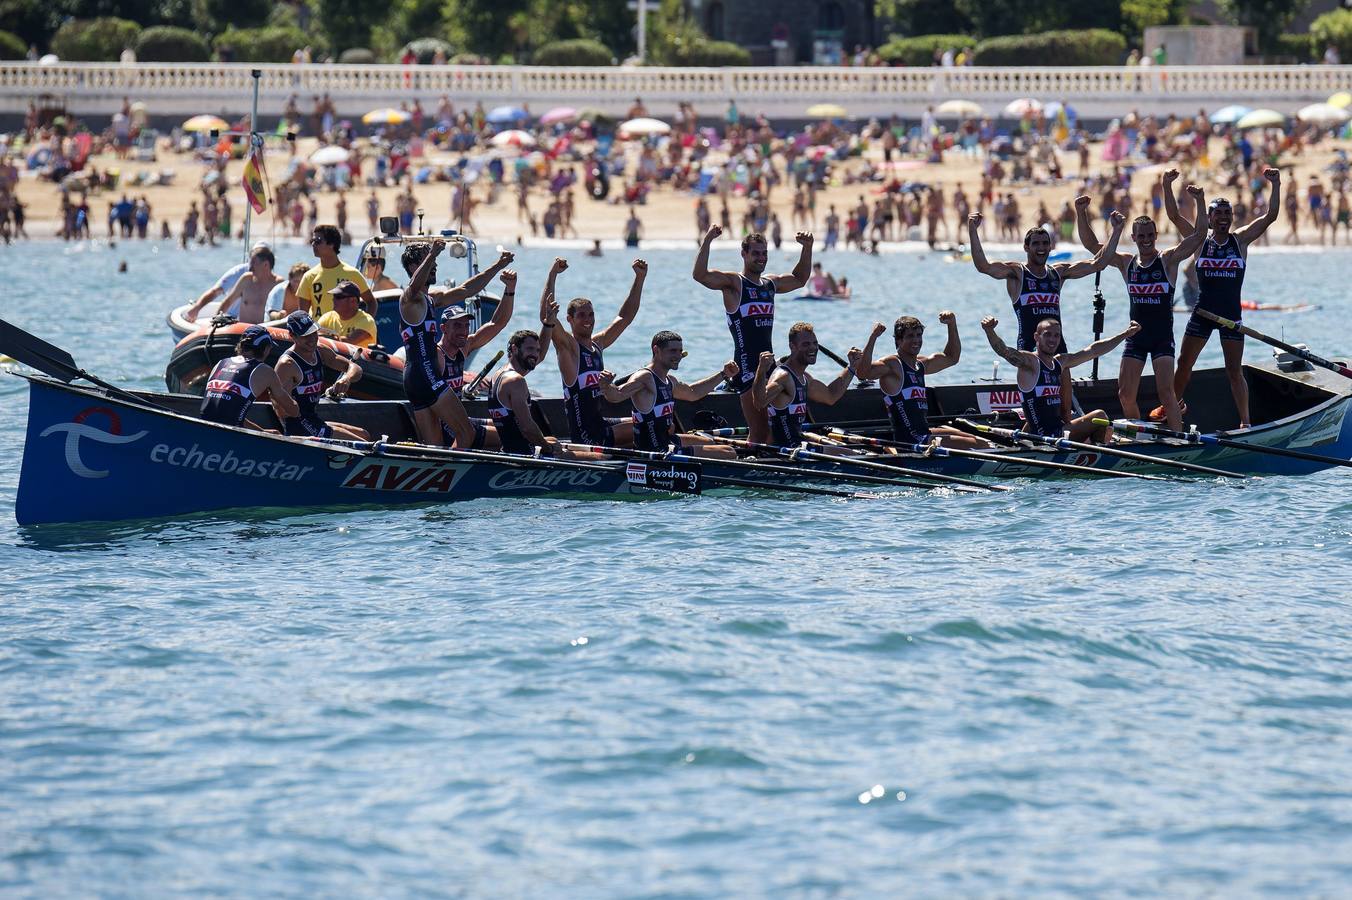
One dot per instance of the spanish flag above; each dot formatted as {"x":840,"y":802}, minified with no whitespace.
{"x":253,"y":184}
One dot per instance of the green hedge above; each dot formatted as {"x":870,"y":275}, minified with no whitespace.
{"x":1298,"y":46}
{"x":1332,"y":28}
{"x":426,"y":49}
{"x":1092,"y":47}
{"x":711,"y":53}
{"x":271,"y":44}
{"x":468,"y":59}
{"x":356,"y":56}
{"x":94,"y":40}
{"x":578,"y":52}
{"x":12,"y":46}
{"x":165,"y":43}
{"x":919,"y":50}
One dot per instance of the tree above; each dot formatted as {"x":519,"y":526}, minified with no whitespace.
{"x":347,"y":23}
{"x":1138,"y":15}
{"x":918,"y":17}
{"x":1000,"y":17}
{"x":1268,"y":17}
{"x":482,"y":26}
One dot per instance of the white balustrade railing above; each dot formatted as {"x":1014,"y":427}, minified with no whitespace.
{"x":93,"y":88}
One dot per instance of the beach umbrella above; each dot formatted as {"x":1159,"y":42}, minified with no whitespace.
{"x":1323,"y":114}
{"x":48,"y":59}
{"x":512,"y":138}
{"x":959,"y":109}
{"x":826,"y":111}
{"x":1056,"y":107}
{"x":1261,"y":118}
{"x":558,"y":114}
{"x":386,"y":116}
{"x":501,"y":115}
{"x":1017,"y":109}
{"x":643,"y":127}
{"x":331,"y":155}
{"x":1342,"y":100}
{"x":1229,"y":115}
{"x":206,"y":123}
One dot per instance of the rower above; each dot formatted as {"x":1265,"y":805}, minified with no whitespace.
{"x":1044,"y":380}
{"x":435,"y":406}
{"x":458,"y":342}
{"x":901,"y":376}
{"x":238,"y":380}
{"x":749,"y":302}
{"x":1034,"y":286}
{"x":1221,"y":261}
{"x":1150,"y":276}
{"x":509,"y":395}
{"x":373,"y":269}
{"x":785,"y":393}
{"x":653,"y":392}
{"x":301,"y":372}
{"x":581,"y":362}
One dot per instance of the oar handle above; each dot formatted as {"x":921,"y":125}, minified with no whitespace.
{"x":1299,"y":352}
{"x":483,"y":373}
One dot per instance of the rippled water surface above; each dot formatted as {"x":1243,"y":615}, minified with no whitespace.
{"x":1094,"y":687}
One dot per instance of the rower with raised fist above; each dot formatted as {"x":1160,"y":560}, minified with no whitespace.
{"x":784,"y":389}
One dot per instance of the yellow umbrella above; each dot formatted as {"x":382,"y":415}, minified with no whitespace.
{"x":206,"y":123}
{"x":959,"y":109}
{"x":826,"y":111}
{"x":386,"y":116}
{"x":1342,"y":100}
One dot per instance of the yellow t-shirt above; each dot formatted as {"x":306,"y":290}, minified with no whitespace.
{"x":316,"y":284}
{"x":360,"y":321}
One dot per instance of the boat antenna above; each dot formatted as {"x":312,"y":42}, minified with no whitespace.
{"x":255,"y":144}
{"x":1099,"y":306}
{"x":420,"y":218}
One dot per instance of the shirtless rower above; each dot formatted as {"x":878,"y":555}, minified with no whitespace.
{"x":1221,"y":262}
{"x":785,"y":393}
{"x":1151,"y":276}
{"x":253,"y":287}
{"x":1044,"y":380}
{"x":301,"y":372}
{"x":901,"y":376}
{"x":1034,"y":286}
{"x":653,"y":392}
{"x":749,"y":302}
{"x":581,"y":362}
{"x":509,"y":395}
{"x":238,"y":380}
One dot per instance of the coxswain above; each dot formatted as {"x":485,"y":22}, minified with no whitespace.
{"x":581,"y":363}
{"x":301,"y":372}
{"x":509,"y":395}
{"x":1150,"y":275}
{"x":249,"y":297}
{"x":783,"y":389}
{"x":1221,"y":261}
{"x":373,"y":269}
{"x":1043,"y":377}
{"x":749,"y":302}
{"x":347,"y":321}
{"x":238,"y":380}
{"x":1034,"y":285}
{"x":901,"y":377}
{"x":653,"y":392}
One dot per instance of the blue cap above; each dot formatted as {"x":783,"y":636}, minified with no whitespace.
{"x":300,"y":324}
{"x":457,"y":311}
{"x":257,"y":336}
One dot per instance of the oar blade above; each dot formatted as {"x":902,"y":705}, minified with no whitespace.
{"x":36,"y":353}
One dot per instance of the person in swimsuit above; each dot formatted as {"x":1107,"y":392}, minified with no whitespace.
{"x":237,"y":381}
{"x":1044,"y":380}
{"x":749,"y":303}
{"x":784,"y":395}
{"x":301,"y":372}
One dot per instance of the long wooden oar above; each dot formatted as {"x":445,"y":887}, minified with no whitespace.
{"x":1066,"y":444}
{"x":1279,"y":344}
{"x":797,"y":452}
{"x":931,"y":450}
{"x":1214,"y":440}
{"x":483,"y":373}
{"x":36,"y":353}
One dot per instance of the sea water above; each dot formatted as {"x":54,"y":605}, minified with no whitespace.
{"x":1090,"y":687}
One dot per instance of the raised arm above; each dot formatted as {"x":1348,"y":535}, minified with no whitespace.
{"x":1171,"y":205}
{"x":1083,"y":225}
{"x":947,"y":357}
{"x":1001,"y":270}
{"x":501,"y":316}
{"x":411,"y":298}
{"x":567,"y":346}
{"x":801,"y":270}
{"x":865,"y":368}
{"x":1019,"y":359}
{"x":640,"y":380}
{"x":700,"y":389}
{"x":625,"y":317}
{"x":1098,"y":348}
{"x":549,"y":325}
{"x":471,"y":286}
{"x":830,"y":394}
{"x":1251,"y":232}
{"x":1188,"y":246}
{"x":1107,"y":254}
{"x":713,"y":279}
{"x":763,"y":390}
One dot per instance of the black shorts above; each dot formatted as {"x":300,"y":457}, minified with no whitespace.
{"x":421,"y":393}
{"x":743,"y":380}
{"x":1202,"y":328}
{"x":306,"y":427}
{"x":480,"y":434}
{"x":1153,"y":341}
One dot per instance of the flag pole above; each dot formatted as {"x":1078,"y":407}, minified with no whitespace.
{"x":255,"y":146}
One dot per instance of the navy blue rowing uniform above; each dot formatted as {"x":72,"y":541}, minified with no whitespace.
{"x":424,"y":382}
{"x":582,"y":399}
{"x":653,"y":428}
{"x":752,"y":326}
{"x":786,"y":425}
{"x":306,"y":394}
{"x":504,"y":420}
{"x":229,"y":392}
{"x":1152,"y":305}
{"x":908,"y":408}
{"x":453,"y":371}
{"x":1039,"y":298}
{"x":1042,"y":405}
{"x":1220,"y":277}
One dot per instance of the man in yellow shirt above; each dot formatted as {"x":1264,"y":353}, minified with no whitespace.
{"x":346,"y":321}
{"x":316,"y":288}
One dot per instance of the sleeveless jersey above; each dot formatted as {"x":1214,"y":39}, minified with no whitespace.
{"x":653,"y":428}
{"x":909,"y":406}
{"x":311,"y":385}
{"x":582,"y":398}
{"x":504,"y":419}
{"x":1220,"y":276}
{"x":1039,"y":298}
{"x":1151,"y":293}
{"x":1042,"y":405}
{"x":752,"y":326}
{"x":454,"y":371}
{"x":422,"y":357}
{"x":786,"y":425}
{"x":228,"y":395}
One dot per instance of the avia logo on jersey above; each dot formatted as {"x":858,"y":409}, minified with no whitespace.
{"x":1039,"y":299}
{"x":417,"y":478}
{"x":219,"y":386}
{"x":1047,"y":391}
{"x":757,"y":310}
{"x":305,"y":390}
{"x":914,"y":393}
{"x":1148,"y":293}
{"x":543,"y":479}
{"x":76,"y":429}
{"x":588,"y":379}
{"x":664,"y":410}
{"x":1233,"y":262}
{"x":795,"y":409}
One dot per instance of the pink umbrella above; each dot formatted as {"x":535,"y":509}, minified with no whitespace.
{"x":512,"y":138}
{"x":558,"y":114}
